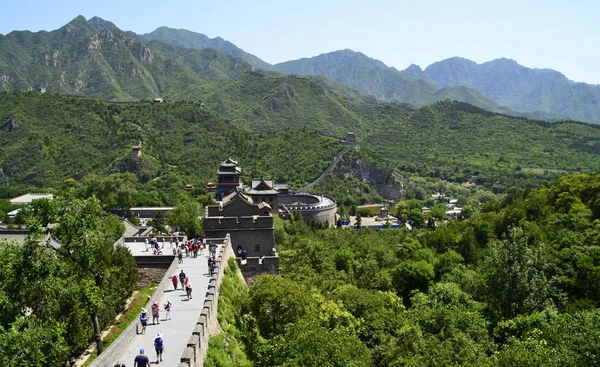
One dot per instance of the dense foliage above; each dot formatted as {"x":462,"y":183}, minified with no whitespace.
{"x":47,"y":139}
{"x":54,"y":300}
{"x":513,"y":285}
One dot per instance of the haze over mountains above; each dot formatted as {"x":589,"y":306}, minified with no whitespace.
{"x":94,"y":58}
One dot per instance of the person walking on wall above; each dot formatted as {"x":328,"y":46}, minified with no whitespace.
{"x":182,"y":278}
{"x":159,"y":346}
{"x":168,"y":307}
{"x":175,"y":280}
{"x":155,"y":313}
{"x":141,"y":360}
{"x":144,"y":319}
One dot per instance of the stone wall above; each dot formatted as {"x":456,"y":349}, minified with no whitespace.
{"x":248,"y":239}
{"x":253,"y":268}
{"x":206,"y":325}
{"x":226,"y":223}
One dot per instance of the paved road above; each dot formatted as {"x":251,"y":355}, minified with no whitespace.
{"x":185,"y":313}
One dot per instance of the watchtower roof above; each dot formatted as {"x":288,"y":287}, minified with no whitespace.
{"x":229,"y":167}
{"x":229,"y":163}
{"x":262,"y":186}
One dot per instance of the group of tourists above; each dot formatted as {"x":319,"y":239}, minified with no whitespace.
{"x":189,"y":249}
{"x":186,"y":284}
{"x":142,"y":360}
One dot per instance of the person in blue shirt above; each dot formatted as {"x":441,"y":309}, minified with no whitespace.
{"x":159,"y":346}
{"x":144,"y":320}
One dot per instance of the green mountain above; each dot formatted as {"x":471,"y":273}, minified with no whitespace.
{"x":47,"y":138}
{"x":198,"y":41}
{"x":84,"y":58}
{"x":521,"y":88}
{"x":373,"y":77}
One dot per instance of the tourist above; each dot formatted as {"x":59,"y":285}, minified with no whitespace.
{"x":180,"y":255}
{"x":213,"y":265}
{"x":141,"y":360}
{"x":168,"y":307}
{"x":144,"y":319}
{"x":155,"y":313}
{"x":159,"y":346}
{"x":175,"y":280}
{"x":182,"y":278}
{"x":188,"y":289}
{"x":146,"y":244}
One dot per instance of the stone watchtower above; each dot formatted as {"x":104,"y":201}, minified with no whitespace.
{"x":350,"y":137}
{"x":229,"y":177}
{"x":137,"y":149}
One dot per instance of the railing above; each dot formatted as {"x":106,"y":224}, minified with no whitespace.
{"x":206,"y":325}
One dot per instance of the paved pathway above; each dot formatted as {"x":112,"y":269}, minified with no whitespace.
{"x":185,"y":313}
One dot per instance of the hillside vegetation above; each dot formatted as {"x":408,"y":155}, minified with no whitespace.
{"x":46,"y":139}
{"x":515,"y":285}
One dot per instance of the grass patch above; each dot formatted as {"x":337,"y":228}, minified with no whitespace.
{"x":130,"y":315}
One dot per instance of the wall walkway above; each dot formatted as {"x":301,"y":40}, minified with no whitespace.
{"x":186,"y":334}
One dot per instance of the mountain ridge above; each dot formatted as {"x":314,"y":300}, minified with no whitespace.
{"x":28,"y":60}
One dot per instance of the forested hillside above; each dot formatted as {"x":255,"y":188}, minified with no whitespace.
{"x":515,"y":285}
{"x":45,"y":139}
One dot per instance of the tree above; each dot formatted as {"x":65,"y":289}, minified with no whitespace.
{"x":116,"y":190}
{"x":185,"y":217}
{"x":31,"y":342}
{"x":416,"y":217}
{"x":515,"y":276}
{"x":412,"y":275}
{"x":276,"y":302}
{"x":307,"y":343}
{"x":88,"y":235}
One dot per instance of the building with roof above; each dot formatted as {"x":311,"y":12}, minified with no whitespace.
{"x":229,"y":174}
{"x":247,"y":212}
{"x":250,"y":224}
{"x":321,"y":208}
{"x":28,"y":198}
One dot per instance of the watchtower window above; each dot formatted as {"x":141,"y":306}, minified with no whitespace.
{"x":257,"y":248}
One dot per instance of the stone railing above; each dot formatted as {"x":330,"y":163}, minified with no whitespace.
{"x":197,"y":345}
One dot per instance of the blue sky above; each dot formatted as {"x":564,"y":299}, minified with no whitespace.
{"x":561,"y":35}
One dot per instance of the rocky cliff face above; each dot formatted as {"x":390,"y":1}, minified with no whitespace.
{"x":387,"y":183}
